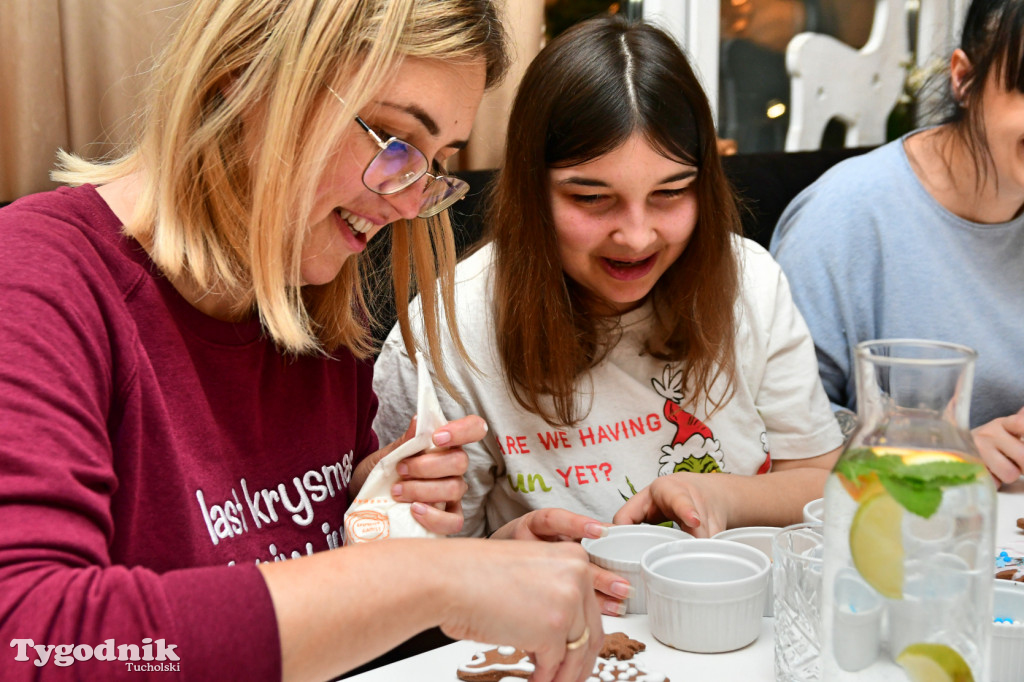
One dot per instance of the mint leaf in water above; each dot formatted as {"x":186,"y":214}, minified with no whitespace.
{"x":917,"y":487}
{"x":914,"y":498}
{"x":941,"y":474}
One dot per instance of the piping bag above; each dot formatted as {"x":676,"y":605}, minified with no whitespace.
{"x":375,"y":514}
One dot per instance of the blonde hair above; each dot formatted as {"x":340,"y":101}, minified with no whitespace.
{"x":231,"y":215}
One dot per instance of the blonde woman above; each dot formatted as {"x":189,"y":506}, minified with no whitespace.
{"x":185,"y":394}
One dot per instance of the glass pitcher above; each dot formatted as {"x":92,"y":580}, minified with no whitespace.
{"x":910,"y":522}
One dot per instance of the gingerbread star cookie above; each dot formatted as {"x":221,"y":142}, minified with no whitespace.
{"x":496,"y":664}
{"x":619,"y":645}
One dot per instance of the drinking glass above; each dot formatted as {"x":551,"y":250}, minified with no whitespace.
{"x":797,"y":572}
{"x":909,"y":520}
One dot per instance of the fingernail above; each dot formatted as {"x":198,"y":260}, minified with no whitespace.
{"x":396,"y":490}
{"x":614,"y":608}
{"x":442,"y":438}
{"x":419,"y":509}
{"x":622,"y":589}
{"x":403,"y":469}
{"x":595,"y":530}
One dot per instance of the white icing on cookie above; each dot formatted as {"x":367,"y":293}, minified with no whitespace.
{"x":606,"y":670}
{"x":475,"y":665}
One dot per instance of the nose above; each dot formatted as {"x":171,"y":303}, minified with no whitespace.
{"x":407,"y":202}
{"x":635,"y":229}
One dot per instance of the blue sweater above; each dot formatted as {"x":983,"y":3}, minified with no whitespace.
{"x":870,"y":254}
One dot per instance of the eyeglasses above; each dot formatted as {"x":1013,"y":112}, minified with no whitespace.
{"x":398,"y":165}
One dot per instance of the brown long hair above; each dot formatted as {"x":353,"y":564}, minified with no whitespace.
{"x":584,"y":95}
{"x":235,"y":220}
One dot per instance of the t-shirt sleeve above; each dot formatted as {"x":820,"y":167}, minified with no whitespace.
{"x":394,"y":382}
{"x":58,"y":582}
{"x":813,"y":245}
{"x":790,"y":397}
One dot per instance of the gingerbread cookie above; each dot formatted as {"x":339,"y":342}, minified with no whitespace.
{"x":497,"y":664}
{"x":1015,"y":574}
{"x":1020,"y":523}
{"x":619,"y":645}
{"x":611,"y":671}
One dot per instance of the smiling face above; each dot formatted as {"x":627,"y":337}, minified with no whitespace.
{"x":622,"y":219}
{"x":428,"y":104}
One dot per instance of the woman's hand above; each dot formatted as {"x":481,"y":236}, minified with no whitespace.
{"x":1001,"y":447}
{"x":536,"y":596}
{"x":532,"y":595}
{"x":554,"y":525}
{"x":699,"y":503}
{"x":431,"y":481}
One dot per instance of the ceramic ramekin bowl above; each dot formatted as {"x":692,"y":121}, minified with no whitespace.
{"x":620,"y":550}
{"x":814,"y":511}
{"x":1008,"y":632}
{"x":705,"y":596}
{"x":758,"y":537}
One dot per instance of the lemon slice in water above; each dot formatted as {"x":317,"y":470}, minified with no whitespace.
{"x":876,"y":544}
{"x":927,"y":662}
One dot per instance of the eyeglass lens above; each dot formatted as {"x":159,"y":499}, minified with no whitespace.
{"x":440,"y":194}
{"x":398,"y":165}
{"x":394,"y":168}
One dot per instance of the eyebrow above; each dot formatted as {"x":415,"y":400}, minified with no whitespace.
{"x":590,"y":182}
{"x":426,"y":120}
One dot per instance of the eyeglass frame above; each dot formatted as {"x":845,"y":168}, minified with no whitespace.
{"x":460,"y":186}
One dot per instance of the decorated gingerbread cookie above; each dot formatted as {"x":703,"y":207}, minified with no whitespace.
{"x":619,"y":645}
{"x":497,"y":664}
{"x":1016,"y":574}
{"x":612,"y":671}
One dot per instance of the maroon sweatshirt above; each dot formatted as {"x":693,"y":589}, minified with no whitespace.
{"x":150,"y":457}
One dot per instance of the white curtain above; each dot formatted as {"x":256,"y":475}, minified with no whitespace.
{"x":71,"y":72}
{"x":524,"y":20}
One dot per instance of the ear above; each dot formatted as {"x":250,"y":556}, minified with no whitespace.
{"x":960,"y":73}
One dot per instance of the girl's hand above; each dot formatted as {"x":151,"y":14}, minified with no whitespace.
{"x":699,"y":503}
{"x":1001,"y":447}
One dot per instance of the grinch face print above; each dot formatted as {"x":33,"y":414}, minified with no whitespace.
{"x":694,"y":447}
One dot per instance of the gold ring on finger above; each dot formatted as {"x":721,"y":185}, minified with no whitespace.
{"x":580,"y":641}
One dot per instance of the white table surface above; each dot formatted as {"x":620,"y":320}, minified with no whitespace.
{"x":753,"y":663}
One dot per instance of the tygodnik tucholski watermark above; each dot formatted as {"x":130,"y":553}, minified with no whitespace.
{"x":152,"y":655}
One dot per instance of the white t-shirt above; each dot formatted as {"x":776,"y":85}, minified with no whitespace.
{"x":641,"y":423}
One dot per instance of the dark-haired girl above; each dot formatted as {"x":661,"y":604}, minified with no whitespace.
{"x":636,"y":359}
{"x":924,"y":238}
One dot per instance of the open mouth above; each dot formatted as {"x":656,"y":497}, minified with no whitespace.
{"x":629,"y":270}
{"x":359,"y":226}
{"x":627,"y":265}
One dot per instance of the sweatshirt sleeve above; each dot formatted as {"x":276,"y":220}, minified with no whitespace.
{"x":66,"y":609}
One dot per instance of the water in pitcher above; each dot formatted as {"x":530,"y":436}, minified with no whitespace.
{"x":909,"y":526}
